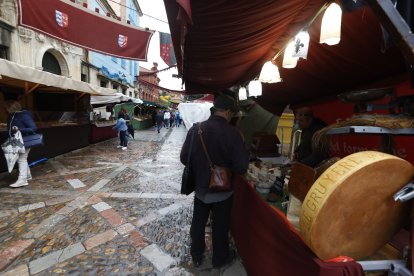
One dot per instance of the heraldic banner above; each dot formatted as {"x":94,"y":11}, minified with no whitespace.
{"x":75,"y":24}
{"x":167,"y":49}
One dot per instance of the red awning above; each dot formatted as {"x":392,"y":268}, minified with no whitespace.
{"x":222,"y":43}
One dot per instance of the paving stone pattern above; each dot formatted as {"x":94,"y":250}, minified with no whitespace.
{"x":103,"y":211}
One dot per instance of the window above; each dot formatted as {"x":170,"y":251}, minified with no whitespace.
{"x":131,"y":68}
{"x":104,"y":83}
{"x":51,"y":64}
{"x":4,"y":52}
{"x":84,"y":73}
{"x":124,"y":91}
{"x":115,"y":86}
{"x":123,"y":63}
{"x":114,"y":59}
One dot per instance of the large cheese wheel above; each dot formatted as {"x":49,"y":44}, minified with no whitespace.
{"x":350,"y":210}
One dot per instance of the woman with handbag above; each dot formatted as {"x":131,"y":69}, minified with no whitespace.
{"x":21,"y":120}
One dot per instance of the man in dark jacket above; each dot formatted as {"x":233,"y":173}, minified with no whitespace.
{"x":159,"y":119}
{"x":309,"y":125}
{"x":226,"y":148}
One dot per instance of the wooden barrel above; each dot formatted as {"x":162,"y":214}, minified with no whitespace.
{"x":350,"y":210}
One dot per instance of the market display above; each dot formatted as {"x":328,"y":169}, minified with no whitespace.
{"x":350,"y":211}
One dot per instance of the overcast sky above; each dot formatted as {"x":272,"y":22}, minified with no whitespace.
{"x":155,"y":8}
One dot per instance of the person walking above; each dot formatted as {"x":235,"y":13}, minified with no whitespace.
{"x":122,"y":129}
{"x":167,"y":117}
{"x":130,"y":132}
{"x":177,"y":119}
{"x":21,"y":120}
{"x":226,"y":148}
{"x":159,"y":120}
{"x":172,"y":116}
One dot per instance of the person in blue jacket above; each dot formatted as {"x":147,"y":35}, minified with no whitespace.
{"x":122,"y":128}
{"x":21,"y":120}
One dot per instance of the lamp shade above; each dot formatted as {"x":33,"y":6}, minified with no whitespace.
{"x":255,"y":88}
{"x":269,"y":73}
{"x":242,"y":93}
{"x":331,"y":25}
{"x":301,"y":46}
{"x":289,"y":61}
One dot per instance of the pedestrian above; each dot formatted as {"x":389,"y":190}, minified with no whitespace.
{"x":226,"y":148}
{"x":122,"y":129}
{"x":177,"y":118}
{"x":172,"y":119}
{"x":131,"y":132}
{"x":160,"y":120}
{"x":21,"y":120}
{"x":167,"y":117}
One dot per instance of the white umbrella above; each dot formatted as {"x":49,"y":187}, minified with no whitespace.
{"x":12,"y":148}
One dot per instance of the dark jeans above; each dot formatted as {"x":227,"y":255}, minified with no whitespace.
{"x":221,"y":226}
{"x":123,"y":138}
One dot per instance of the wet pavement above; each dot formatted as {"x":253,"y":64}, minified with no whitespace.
{"x":103,"y":211}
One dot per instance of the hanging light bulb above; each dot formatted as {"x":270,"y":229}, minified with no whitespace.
{"x":288,"y":60}
{"x":269,"y":73}
{"x":255,"y":88}
{"x":301,"y":45}
{"x":242,"y":93}
{"x":331,"y":25}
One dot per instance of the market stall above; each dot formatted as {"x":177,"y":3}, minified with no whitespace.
{"x":60,"y":107}
{"x":142,"y":114}
{"x":103,"y":116}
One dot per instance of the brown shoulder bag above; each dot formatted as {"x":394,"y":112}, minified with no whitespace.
{"x":220,"y":180}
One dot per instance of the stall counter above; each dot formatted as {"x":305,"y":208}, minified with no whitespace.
{"x":269,"y":245}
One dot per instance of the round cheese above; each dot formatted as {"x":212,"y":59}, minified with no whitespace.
{"x":350,"y":210}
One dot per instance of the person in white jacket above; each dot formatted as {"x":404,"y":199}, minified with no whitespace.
{"x":167,"y":118}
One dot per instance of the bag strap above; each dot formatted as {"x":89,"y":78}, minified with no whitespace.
{"x":191,"y":147}
{"x":200,"y":132}
{"x":10,"y":125}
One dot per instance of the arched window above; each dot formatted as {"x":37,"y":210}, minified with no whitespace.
{"x":51,"y":64}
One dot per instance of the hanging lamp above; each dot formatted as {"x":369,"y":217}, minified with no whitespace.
{"x":331,"y":25}
{"x":289,"y":61}
{"x":255,"y":88}
{"x":269,"y":73}
{"x":301,"y":45}
{"x":242,"y":93}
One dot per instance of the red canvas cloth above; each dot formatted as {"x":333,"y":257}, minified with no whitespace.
{"x":227,"y":42}
{"x":268,"y":244}
{"x":79,"y":26}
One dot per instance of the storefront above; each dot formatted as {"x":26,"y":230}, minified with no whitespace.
{"x":60,"y":107}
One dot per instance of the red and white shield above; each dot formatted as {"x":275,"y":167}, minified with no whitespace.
{"x":122,"y":41}
{"x":62,"y":19}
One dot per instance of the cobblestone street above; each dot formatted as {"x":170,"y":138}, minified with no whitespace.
{"x":103,"y":211}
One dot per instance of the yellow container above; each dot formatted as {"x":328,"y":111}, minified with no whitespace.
{"x":284,"y":130}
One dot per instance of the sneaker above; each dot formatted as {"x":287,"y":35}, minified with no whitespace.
{"x":124,"y":148}
{"x":29,"y":177}
{"x":119,"y":147}
{"x":19,"y":184}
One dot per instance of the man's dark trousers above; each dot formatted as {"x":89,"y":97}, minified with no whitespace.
{"x":221,"y":225}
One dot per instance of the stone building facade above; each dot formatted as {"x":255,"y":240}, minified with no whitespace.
{"x":33,"y":49}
